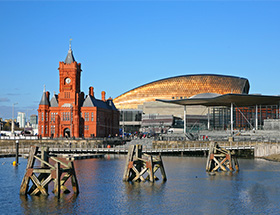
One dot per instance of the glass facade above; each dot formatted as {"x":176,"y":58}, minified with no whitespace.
{"x":130,"y":120}
{"x":243,"y":117}
{"x":131,"y":115}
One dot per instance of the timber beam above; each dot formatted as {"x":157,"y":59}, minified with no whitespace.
{"x":142,"y":167}
{"x":221,"y":159}
{"x":42,"y":176}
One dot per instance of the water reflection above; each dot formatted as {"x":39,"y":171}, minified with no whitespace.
{"x":49,"y":204}
{"x":189,"y":190}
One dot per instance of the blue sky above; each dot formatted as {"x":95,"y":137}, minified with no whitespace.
{"x":125,"y":44}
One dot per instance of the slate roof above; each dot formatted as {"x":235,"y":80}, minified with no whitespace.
{"x":90,"y":101}
{"x":70,"y":57}
{"x":54,"y":102}
{"x":44,"y":100}
{"x":111,"y":104}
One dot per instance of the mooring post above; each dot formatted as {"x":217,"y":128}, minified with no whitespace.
{"x":44,"y":157}
{"x":47,"y":172}
{"x":57,"y":180}
{"x":164,"y":178}
{"x":74,"y":180}
{"x":17,"y":146}
{"x":220,"y":159}
{"x":138,"y":164}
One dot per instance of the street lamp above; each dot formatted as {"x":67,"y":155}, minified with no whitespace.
{"x":71,"y":119}
{"x":13,"y":126}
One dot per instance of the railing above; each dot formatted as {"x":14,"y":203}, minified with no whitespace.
{"x":19,"y":138}
{"x":92,"y":148}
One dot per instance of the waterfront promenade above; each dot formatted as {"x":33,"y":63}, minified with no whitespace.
{"x":258,"y":149}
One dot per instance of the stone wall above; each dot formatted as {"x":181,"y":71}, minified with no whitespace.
{"x":271,"y":124}
{"x":267,"y":149}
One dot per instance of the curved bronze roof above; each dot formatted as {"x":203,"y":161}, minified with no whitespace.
{"x":182,"y":87}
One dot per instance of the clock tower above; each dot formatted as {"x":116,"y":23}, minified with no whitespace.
{"x":69,"y":79}
{"x":70,"y":93}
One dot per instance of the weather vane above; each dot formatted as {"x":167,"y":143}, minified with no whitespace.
{"x":70,"y":43}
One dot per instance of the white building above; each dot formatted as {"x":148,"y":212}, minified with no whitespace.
{"x":21,"y":119}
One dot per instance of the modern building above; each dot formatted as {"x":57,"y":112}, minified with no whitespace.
{"x":72,"y":114}
{"x":144,"y":98}
{"x":21,"y":119}
{"x":181,"y":87}
{"x":34,"y":121}
{"x":130,"y":120}
{"x":189,"y":89}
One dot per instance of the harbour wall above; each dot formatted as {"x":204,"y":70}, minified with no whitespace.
{"x":256,"y":149}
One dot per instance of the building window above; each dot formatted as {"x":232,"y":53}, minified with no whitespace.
{"x":92,"y":116}
{"x":65,"y":116}
{"x":53,"y":117}
{"x":86,"y":127}
{"x":42,"y":127}
{"x":46,"y":116}
{"x":42,"y":118}
{"x":86,"y":116}
{"x":53,"y":129}
{"x":67,"y":95}
{"x":46,"y":129}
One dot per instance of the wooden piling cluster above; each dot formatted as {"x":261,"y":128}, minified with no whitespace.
{"x":42,"y":175}
{"x":221,"y":159}
{"x":141,"y":167}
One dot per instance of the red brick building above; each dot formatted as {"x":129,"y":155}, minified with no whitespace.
{"x":71,"y":113}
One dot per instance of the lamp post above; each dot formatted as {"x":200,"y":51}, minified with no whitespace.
{"x":71,"y":120}
{"x":122,"y":122}
{"x":13,"y":126}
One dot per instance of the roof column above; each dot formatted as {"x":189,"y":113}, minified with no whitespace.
{"x":185,"y":120}
{"x":208,"y":123}
{"x":256,"y":121}
{"x":231,"y":119}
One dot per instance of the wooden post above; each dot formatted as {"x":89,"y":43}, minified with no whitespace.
{"x":139,"y":164}
{"x":74,"y":179}
{"x":150,"y":166}
{"x":30,"y":164}
{"x":17,"y":146}
{"x":129,"y":158}
{"x":164,"y":178}
{"x":47,"y":173}
{"x":57,"y":180}
{"x":220,"y":159}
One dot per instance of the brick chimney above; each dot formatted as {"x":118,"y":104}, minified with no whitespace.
{"x":48,"y":95}
{"x":103,"y":96}
{"x":91,"y":91}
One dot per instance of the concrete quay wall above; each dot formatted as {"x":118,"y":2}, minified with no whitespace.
{"x":267,"y":149}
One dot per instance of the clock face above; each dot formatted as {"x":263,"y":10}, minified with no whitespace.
{"x":67,"y":80}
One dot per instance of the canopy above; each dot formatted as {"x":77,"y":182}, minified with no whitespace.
{"x":241,"y":100}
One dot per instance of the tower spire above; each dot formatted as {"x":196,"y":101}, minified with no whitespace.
{"x":70,"y":58}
